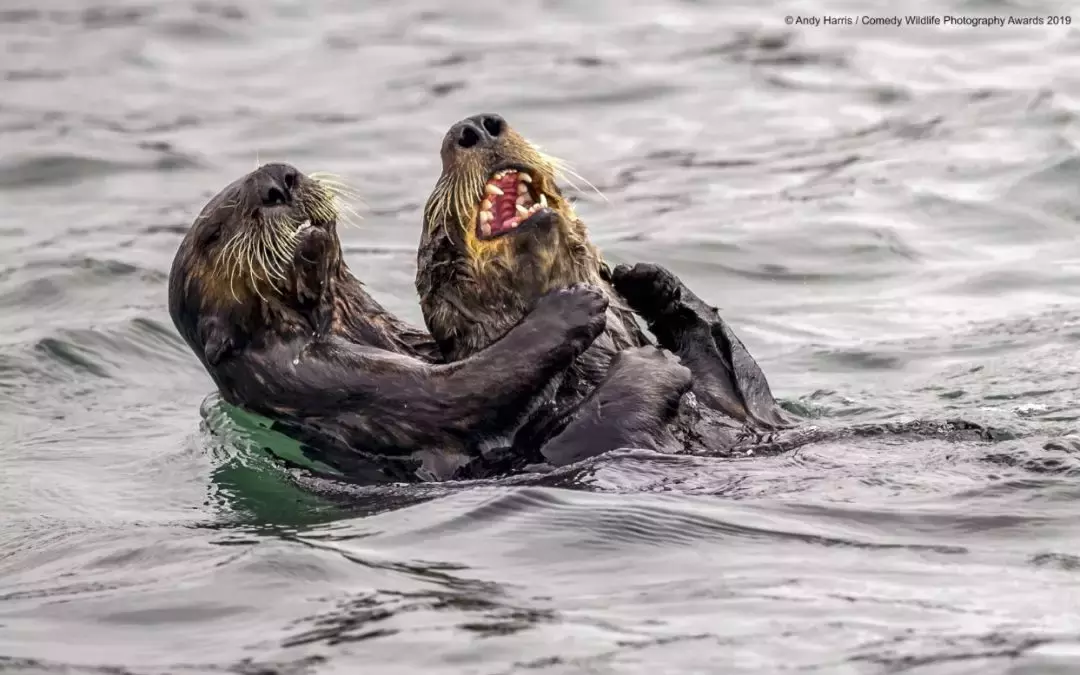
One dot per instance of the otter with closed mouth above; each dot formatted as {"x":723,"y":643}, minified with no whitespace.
{"x":498,"y":234}
{"x":261,"y":294}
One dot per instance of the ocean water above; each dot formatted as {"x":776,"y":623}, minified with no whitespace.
{"x":887,"y":215}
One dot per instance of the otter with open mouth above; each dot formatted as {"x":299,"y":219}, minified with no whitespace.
{"x":498,"y":234}
{"x":260,"y":292}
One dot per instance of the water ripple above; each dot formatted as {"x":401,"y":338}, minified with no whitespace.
{"x":887,"y":216}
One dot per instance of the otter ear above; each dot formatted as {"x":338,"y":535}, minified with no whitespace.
{"x":217,"y":342}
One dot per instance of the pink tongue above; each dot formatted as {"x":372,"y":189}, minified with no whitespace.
{"x":504,"y":207}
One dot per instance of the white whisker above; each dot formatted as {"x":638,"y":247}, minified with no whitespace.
{"x":564,"y":170}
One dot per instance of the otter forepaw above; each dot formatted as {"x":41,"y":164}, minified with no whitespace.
{"x":651,"y":290}
{"x":312,"y":246}
{"x":582,"y":307}
{"x":543,"y":224}
{"x":309,"y":261}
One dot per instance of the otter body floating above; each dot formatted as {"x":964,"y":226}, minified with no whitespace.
{"x":498,"y":234}
{"x":261,"y":294}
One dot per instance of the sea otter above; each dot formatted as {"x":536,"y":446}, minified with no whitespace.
{"x":498,"y":234}
{"x":260,"y":292}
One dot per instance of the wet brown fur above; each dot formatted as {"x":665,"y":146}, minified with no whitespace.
{"x":252,"y":295}
{"x":284,"y":329}
{"x":472,"y":290}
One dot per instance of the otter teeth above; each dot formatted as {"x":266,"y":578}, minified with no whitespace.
{"x":303,"y":226}
{"x":524,"y":206}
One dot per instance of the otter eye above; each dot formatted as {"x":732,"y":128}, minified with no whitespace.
{"x":468,"y":137}
{"x":493,"y":125}
{"x":274,"y":197}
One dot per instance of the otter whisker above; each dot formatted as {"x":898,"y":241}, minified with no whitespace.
{"x":461,"y":206}
{"x":327,"y":177}
{"x":325,"y":214}
{"x":228,"y":257}
{"x":321,"y":201}
{"x":232,"y":282}
{"x":278,"y":241}
{"x":329,"y":193}
{"x":476,"y":184}
{"x":319,"y":211}
{"x":450,"y":198}
{"x":346,"y":206}
{"x":335,"y":185}
{"x":340,"y":190}
{"x":454,"y":197}
{"x":260,"y":257}
{"x":255,"y":285}
{"x":562,"y":168}
{"x":265,"y":255}
{"x":233,"y":252}
{"x":561,"y":173}
{"x":284,"y":250}
{"x":440,"y":202}
{"x":278,"y":260}
{"x":242,"y":260}
{"x":334,"y":199}
{"x":348,"y":214}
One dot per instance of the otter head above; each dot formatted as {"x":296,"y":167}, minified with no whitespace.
{"x":498,"y":234}
{"x":498,"y":203}
{"x":263,"y":247}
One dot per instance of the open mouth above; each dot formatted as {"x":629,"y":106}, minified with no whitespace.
{"x":510,"y":201}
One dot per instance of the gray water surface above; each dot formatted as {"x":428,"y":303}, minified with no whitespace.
{"x":887,"y":216}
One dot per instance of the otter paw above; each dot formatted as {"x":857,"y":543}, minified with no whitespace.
{"x":651,"y":290}
{"x":581,"y":307}
{"x":312,"y":246}
{"x":310,"y":265}
{"x":542,"y":224}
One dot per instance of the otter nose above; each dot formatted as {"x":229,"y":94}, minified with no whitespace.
{"x":478,"y":130}
{"x":276,"y":184}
